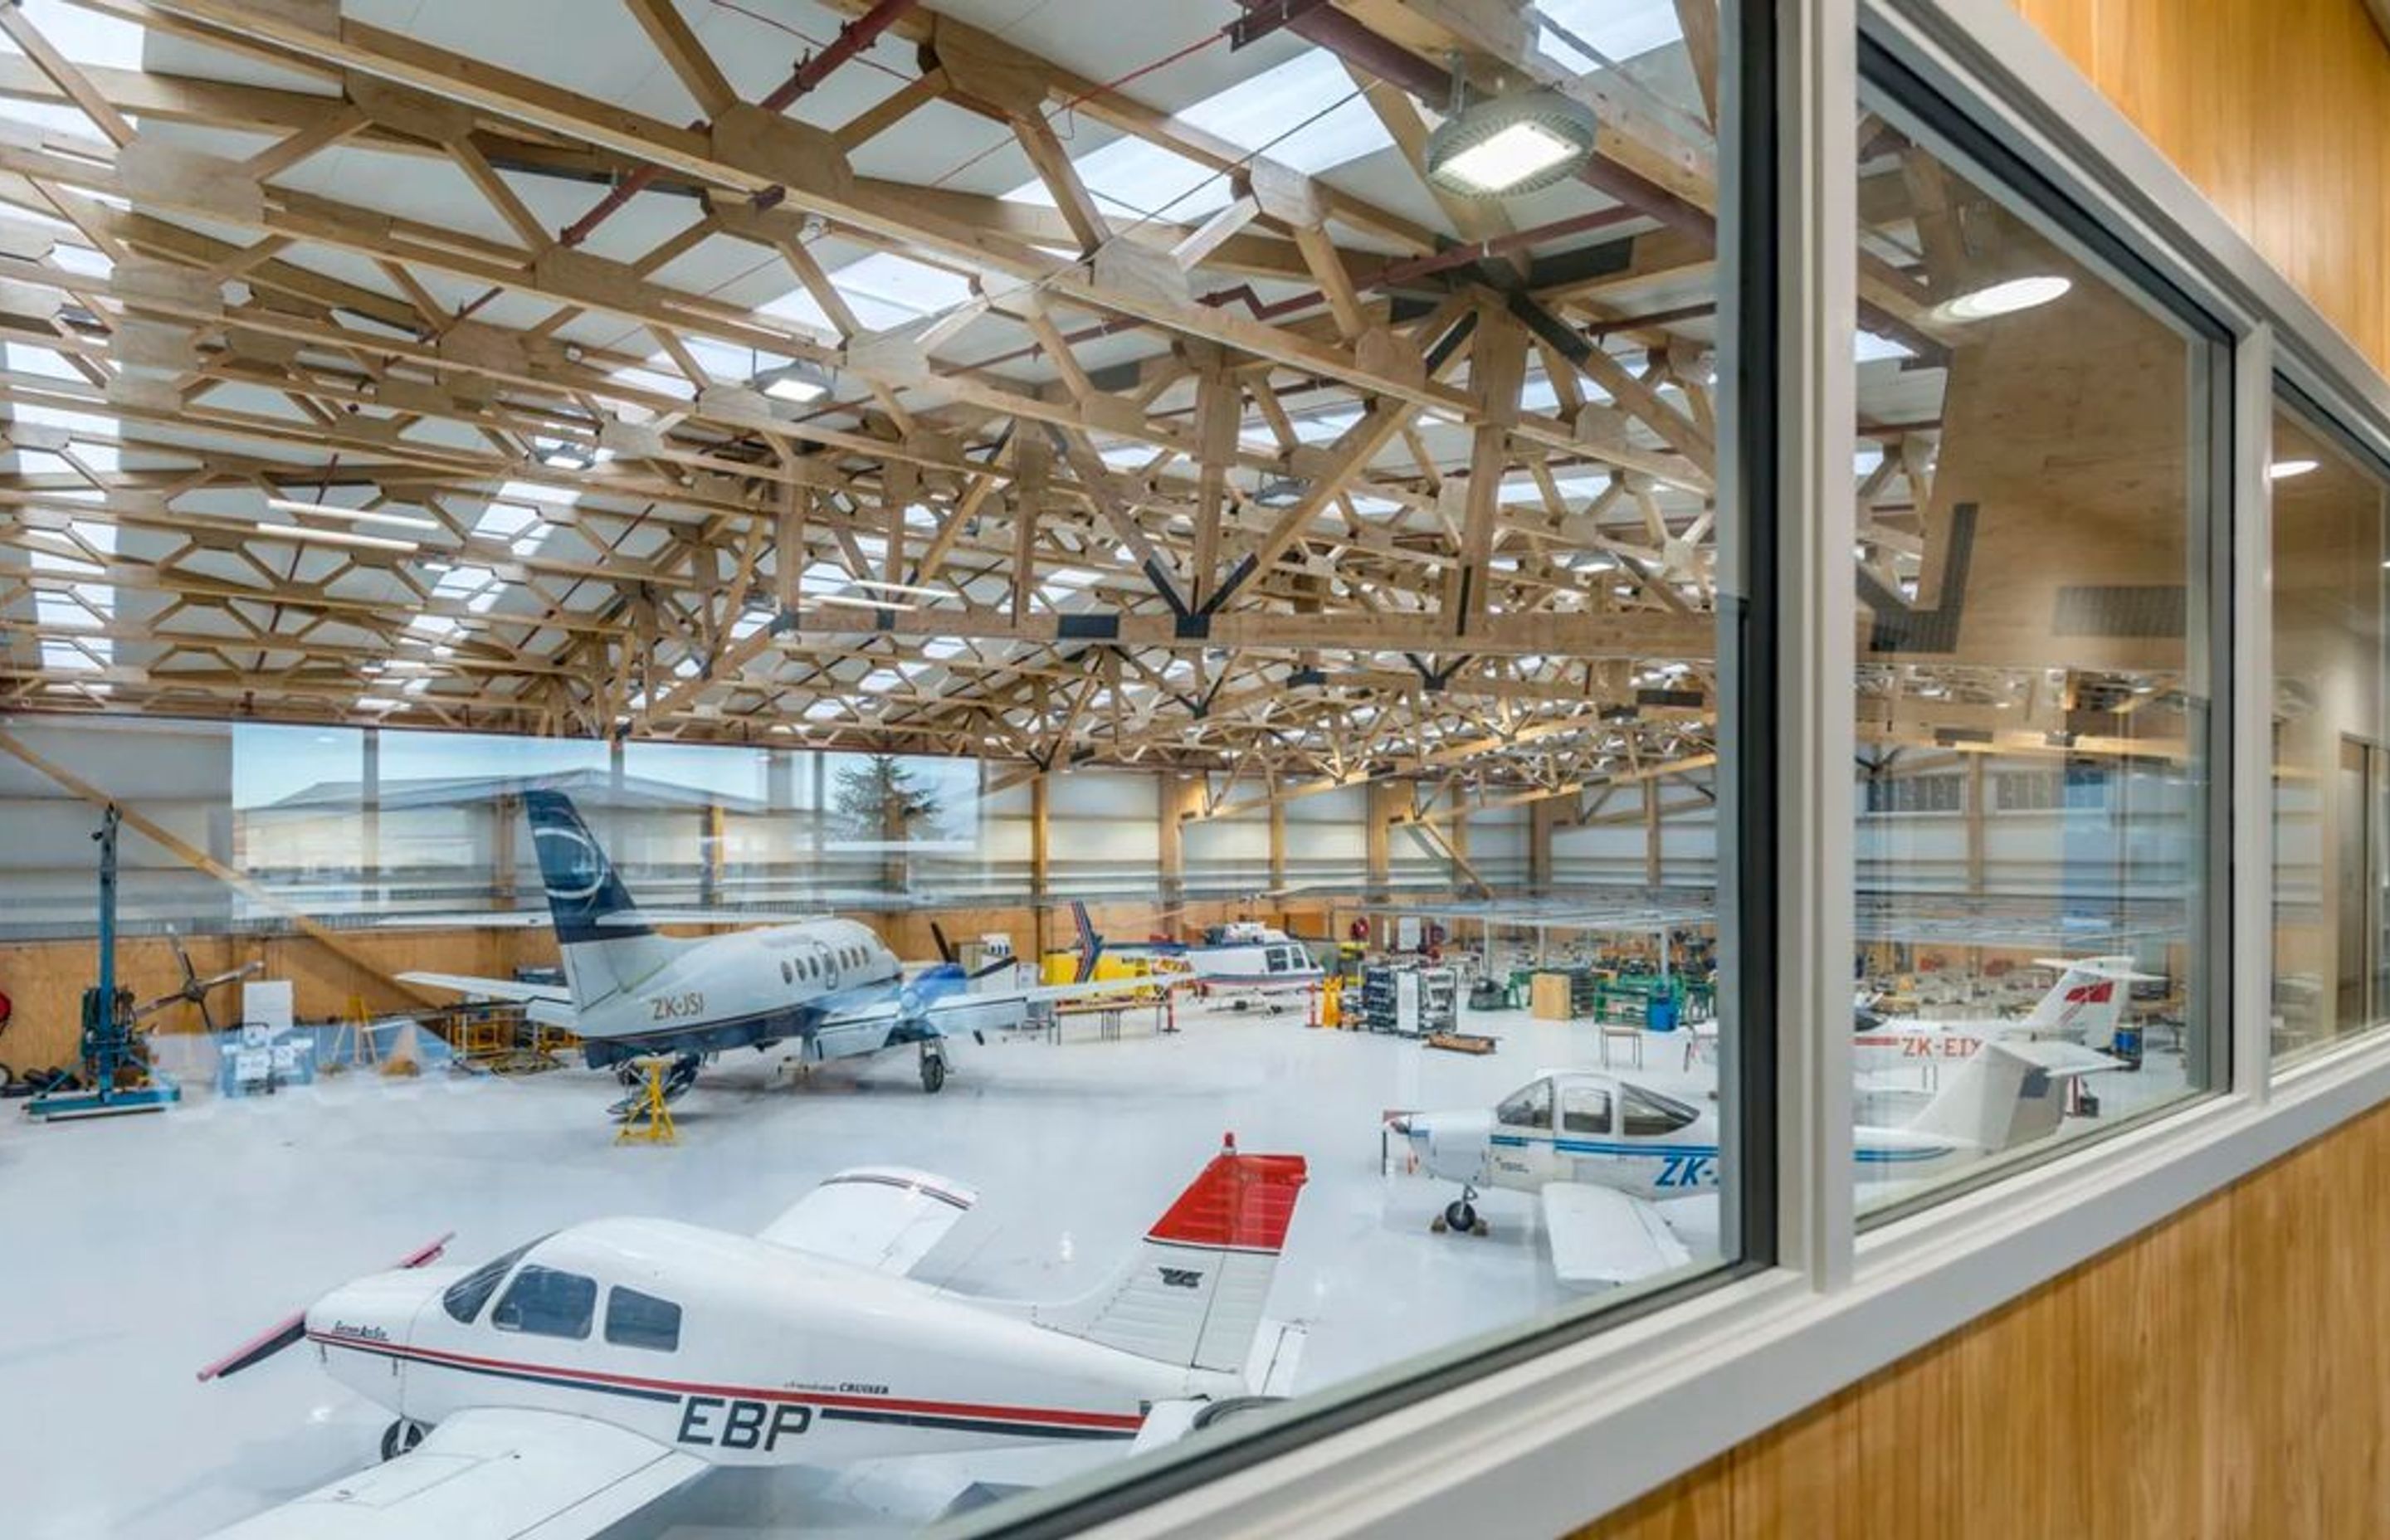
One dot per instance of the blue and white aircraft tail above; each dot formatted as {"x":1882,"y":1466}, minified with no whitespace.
{"x":830,"y":985}
{"x":1626,"y":1175}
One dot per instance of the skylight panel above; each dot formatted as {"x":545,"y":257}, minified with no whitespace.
{"x":886,"y":289}
{"x":1869,"y":348}
{"x":87,"y":37}
{"x":1133,"y":177}
{"x":1620,"y":30}
{"x":1252,"y":113}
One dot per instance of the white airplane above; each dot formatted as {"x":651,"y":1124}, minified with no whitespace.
{"x":559,"y":1388}
{"x":631,"y":992}
{"x":1249,"y":957}
{"x":1613,"y":1163}
{"x":2083,"y":1007}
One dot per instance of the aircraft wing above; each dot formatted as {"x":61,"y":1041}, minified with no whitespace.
{"x":491,"y":989}
{"x":489,"y":1473}
{"x":885,"y":1219}
{"x":549,"y":1005}
{"x":1599,"y":1235}
{"x":1093,"y":988}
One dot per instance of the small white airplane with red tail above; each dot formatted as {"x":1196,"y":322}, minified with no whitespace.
{"x":567,"y":1384}
{"x":2086,"y":1007}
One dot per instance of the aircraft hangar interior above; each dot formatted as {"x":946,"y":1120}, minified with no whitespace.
{"x":797,"y":766}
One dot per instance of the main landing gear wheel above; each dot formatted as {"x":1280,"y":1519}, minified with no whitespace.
{"x":401,"y":1437}
{"x":1460,"y":1216}
{"x":933,"y":1071}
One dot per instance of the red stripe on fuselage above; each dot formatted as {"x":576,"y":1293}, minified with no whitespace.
{"x":1058,"y":1416}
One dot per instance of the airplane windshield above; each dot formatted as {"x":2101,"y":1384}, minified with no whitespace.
{"x":1530,"y":1108}
{"x":464,"y":1297}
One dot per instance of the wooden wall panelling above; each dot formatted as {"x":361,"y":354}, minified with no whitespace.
{"x":2221,"y":1376}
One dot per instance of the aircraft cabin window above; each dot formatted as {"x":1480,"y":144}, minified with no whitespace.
{"x":1585,"y":1110}
{"x":545,"y":1303}
{"x":638,"y":1320}
{"x":464,"y":1297}
{"x":1649,"y":1113}
{"x":788,"y":972}
{"x":1529,"y":1108}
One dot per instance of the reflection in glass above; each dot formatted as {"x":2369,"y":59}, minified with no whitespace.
{"x":2031,"y":498}
{"x":2330,"y":727}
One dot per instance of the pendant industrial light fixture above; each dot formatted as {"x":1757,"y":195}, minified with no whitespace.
{"x":1508,"y":145}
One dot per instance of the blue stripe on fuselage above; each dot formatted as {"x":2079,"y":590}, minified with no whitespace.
{"x":1883,"y":1156}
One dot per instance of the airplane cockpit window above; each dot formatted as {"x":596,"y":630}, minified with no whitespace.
{"x":464,"y":1297}
{"x":1530,"y":1108}
{"x":546,"y":1302}
{"x":1650,"y":1113}
{"x":638,"y":1320}
{"x":1585,"y":1110}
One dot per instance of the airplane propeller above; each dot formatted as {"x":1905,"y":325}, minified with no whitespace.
{"x":280,"y":1335}
{"x":194,"y":990}
{"x":945,"y":948}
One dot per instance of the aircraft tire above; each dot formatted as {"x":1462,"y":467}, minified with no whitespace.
{"x":401,"y":1437}
{"x":1460,"y":1215}
{"x":933,"y":1074}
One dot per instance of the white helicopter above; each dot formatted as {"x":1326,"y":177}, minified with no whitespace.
{"x":2085,"y":1007}
{"x":631,"y":993}
{"x":568,"y":1383}
{"x":1244,"y":956}
{"x":1627,"y":1175}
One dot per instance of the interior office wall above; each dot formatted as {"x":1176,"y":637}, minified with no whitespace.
{"x":2087,"y":1407}
{"x":2104,"y":1402}
{"x":2280,"y":113}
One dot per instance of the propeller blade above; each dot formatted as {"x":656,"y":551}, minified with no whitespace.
{"x":257,"y":1351}
{"x":291,"y":1328}
{"x":999,"y":965}
{"x":945,"y":949}
{"x":190,"y":974}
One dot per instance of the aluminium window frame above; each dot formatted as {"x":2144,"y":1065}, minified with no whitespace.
{"x":1555,"y":1441}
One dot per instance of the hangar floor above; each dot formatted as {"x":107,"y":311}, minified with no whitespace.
{"x":164,"y":1241}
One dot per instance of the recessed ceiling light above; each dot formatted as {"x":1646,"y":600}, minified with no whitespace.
{"x":2282,"y":471}
{"x":2005,"y":298}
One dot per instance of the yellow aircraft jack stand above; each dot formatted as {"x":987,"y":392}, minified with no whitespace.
{"x":650,"y":1121}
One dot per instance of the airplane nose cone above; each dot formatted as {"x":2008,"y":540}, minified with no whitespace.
{"x":1400,"y":1124}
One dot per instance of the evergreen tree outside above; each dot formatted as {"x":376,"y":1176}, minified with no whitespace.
{"x":877,"y":800}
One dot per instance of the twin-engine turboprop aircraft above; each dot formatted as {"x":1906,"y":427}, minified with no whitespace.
{"x":1615,"y":1163}
{"x":563,"y":1386}
{"x":630,"y":993}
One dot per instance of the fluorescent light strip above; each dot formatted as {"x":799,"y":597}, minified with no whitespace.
{"x":354,"y":516}
{"x":852,"y":602}
{"x":300,"y":531}
{"x":899,"y":588}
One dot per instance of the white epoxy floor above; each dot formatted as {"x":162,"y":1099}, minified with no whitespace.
{"x":140,"y":1248}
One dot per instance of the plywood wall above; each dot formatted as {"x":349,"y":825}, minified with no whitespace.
{"x":2278,"y":109}
{"x":2224,"y":1375}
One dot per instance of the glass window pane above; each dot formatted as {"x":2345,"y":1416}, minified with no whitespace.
{"x":2332,"y":770}
{"x":638,"y":1320}
{"x":2035,"y":497}
{"x":545,"y":1302}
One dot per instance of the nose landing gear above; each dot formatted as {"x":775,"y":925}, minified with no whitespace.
{"x":402,"y":1436}
{"x":1460,"y":1216}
